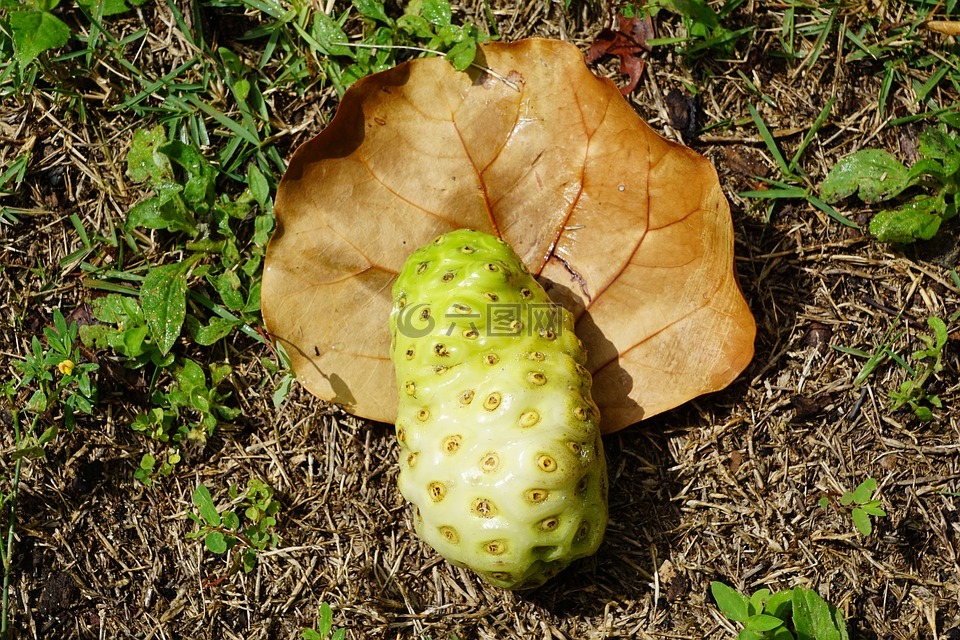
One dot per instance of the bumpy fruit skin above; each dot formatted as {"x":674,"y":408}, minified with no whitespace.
{"x":500,"y":442}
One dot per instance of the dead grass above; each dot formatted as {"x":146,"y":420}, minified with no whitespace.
{"x":724,"y":488}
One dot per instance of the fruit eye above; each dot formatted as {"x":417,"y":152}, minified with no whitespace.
{"x":411,"y":388}
{"x":450,"y":534}
{"x":495,"y":547}
{"x":537,"y":495}
{"x":491,"y":267}
{"x":492,"y":401}
{"x":437,"y":491}
{"x":470,"y":334}
{"x":483,"y":508}
{"x":546,"y":463}
{"x":491,"y":359}
{"x":525,"y":293}
{"x":536,"y":378}
{"x":529,"y":418}
{"x":401,"y":302}
{"x":452,"y":443}
{"x":582,"y":531}
{"x":491,"y":296}
{"x":467,"y":249}
{"x":550,"y":523}
{"x":441,"y":350}
{"x":547,"y":334}
{"x":580,"y":413}
{"x":490,"y":462}
{"x":421,"y":268}
{"x":410,"y":353}
{"x":425,"y":313}
{"x":412,"y":460}
{"x":466,"y":397}
{"x":448,"y":276}
{"x":423,"y":415}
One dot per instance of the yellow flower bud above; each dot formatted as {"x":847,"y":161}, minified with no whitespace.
{"x":66,"y":367}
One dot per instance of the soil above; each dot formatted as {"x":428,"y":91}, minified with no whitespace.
{"x":725,"y":487}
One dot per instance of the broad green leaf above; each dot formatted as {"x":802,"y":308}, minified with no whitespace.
{"x":163,"y":297}
{"x":699,"y":12}
{"x":781,"y":633}
{"x":216,"y":542}
{"x":939,"y":331}
{"x":755,"y":603}
{"x":325,"y":624}
{"x":437,"y":12}
{"x":330,"y":35}
{"x":372,"y":9}
{"x":198,"y":190}
{"x":259,"y":187}
{"x":862,"y":521}
{"x":873,"y":508}
{"x":864,"y":490}
{"x":190,"y":376}
{"x":462,"y":54}
{"x":919,"y":219}
{"x":927,"y":167}
{"x":249,"y":560}
{"x":204,"y":502}
{"x":730,"y":601}
{"x":416,"y":26}
{"x":763,"y":622}
{"x":208,"y":334}
{"x":779,"y":604}
{"x":813,"y":618}
{"x":310,"y":634}
{"x":874,"y":173}
{"x":104,"y":7}
{"x":35,"y":32}
{"x":144,"y":161}
{"x":162,"y":211}
{"x":229,"y":287}
{"x":938,"y":144}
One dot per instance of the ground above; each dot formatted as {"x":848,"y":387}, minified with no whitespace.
{"x":725,"y":487}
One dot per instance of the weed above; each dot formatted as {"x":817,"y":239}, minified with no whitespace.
{"x":60,"y":380}
{"x":861,"y":504}
{"x":912,"y":392}
{"x":876,"y":175}
{"x":794,"y":182}
{"x":213,"y":290}
{"x":793,"y":614}
{"x":324,"y":630}
{"x":705,"y":31}
{"x":249,"y":526}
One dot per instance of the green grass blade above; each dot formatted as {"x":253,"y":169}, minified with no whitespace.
{"x":770,"y":142}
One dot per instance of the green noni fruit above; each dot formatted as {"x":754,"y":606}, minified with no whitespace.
{"x":500,"y":443}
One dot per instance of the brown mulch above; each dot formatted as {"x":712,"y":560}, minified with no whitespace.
{"x":723,"y":488}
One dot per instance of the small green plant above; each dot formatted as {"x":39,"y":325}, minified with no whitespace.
{"x":426,"y":26}
{"x":861,"y":503}
{"x":59,"y":379}
{"x":249,"y":525}
{"x":913,"y":392}
{"x":324,"y":630}
{"x":211,"y":291}
{"x":793,"y":614}
{"x":706,"y":33}
{"x":36,"y":29}
{"x":876,"y":175}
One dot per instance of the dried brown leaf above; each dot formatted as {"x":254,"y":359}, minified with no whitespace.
{"x":629,"y":231}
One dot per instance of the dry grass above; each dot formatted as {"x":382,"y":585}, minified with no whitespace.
{"x":724,"y":488}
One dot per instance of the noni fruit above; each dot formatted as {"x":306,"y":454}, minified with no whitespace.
{"x":500,"y":443}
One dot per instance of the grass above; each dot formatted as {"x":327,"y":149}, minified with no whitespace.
{"x":142,"y":149}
